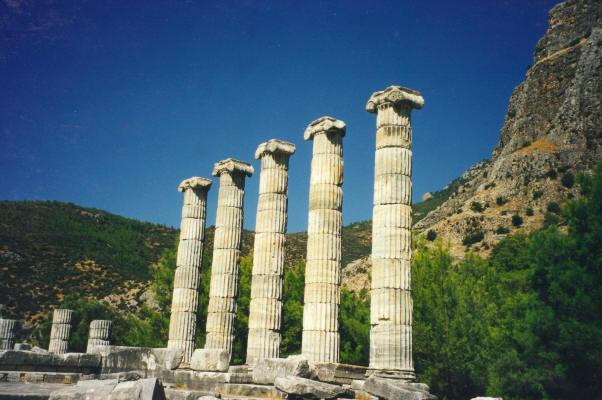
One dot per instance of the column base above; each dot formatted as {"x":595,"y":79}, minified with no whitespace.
{"x":397,"y":374}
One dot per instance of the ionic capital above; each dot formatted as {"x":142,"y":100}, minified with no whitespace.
{"x":195,"y":183}
{"x":325,"y":124}
{"x":395,"y":94}
{"x":232,"y":166}
{"x":274,"y":146}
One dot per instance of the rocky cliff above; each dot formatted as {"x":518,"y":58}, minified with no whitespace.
{"x":551,"y":133}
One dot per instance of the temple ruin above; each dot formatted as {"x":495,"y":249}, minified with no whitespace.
{"x":316,"y":373}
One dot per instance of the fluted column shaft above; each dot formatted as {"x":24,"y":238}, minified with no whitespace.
{"x":7,"y":333}
{"x":61,"y":331}
{"x":265,"y":308}
{"x":226,"y":254}
{"x":100,"y":334}
{"x":185,"y":299}
{"x":391,"y":300}
{"x":323,"y":267}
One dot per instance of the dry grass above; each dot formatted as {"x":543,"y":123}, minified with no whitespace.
{"x":560,"y":52}
{"x":540,"y":144}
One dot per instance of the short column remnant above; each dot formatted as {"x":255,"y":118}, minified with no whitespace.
{"x":226,"y":253}
{"x":320,"y":340}
{"x":7,"y":333}
{"x":185,"y":300}
{"x":268,"y":257}
{"x":61,"y":331}
{"x":100,"y":334}
{"x":391,"y":300}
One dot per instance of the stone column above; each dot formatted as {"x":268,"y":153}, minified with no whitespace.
{"x":100,"y":334}
{"x":323,"y":268}
{"x":268,"y":257}
{"x":7,"y":333}
{"x":185,"y":300}
{"x":391,"y":300}
{"x":61,"y":331}
{"x":226,"y":253}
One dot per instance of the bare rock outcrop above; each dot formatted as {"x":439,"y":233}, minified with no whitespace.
{"x":552,"y":129}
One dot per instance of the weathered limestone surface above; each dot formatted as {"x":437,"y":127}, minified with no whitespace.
{"x":100,"y":334}
{"x":308,"y":388}
{"x":61,"y":331}
{"x":391,"y":300}
{"x":145,"y":360}
{"x":7,"y":333}
{"x":339,"y":373}
{"x":112,"y":389}
{"x":266,"y":370}
{"x":323,"y":268}
{"x":210,"y":360}
{"x":185,"y":301}
{"x":226,"y":253}
{"x":268,"y":262}
{"x":18,"y":360}
{"x":391,"y":389}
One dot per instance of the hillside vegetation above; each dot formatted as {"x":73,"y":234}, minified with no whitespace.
{"x":51,"y":249}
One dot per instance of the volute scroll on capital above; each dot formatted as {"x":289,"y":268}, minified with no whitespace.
{"x":395,"y":94}
{"x":232,"y":165}
{"x":325,"y":124}
{"x":195,"y":182}
{"x":274,"y":146}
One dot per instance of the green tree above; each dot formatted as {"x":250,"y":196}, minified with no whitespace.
{"x":292,"y":310}
{"x":354,"y":323}
{"x":451,"y":312}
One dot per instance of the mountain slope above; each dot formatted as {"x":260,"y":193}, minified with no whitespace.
{"x":51,"y":249}
{"x":552,"y":132}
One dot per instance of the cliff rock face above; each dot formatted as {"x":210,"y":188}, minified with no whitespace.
{"x":552,"y":129}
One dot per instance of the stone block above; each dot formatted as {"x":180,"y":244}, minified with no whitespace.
{"x":86,"y":390}
{"x":143,"y":389}
{"x":266,"y":370}
{"x":308,"y":388}
{"x":17,"y":360}
{"x":122,"y":358}
{"x":340,"y":373}
{"x":396,"y":389}
{"x":210,"y":360}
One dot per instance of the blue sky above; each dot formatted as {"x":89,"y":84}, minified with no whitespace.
{"x":110,"y":104}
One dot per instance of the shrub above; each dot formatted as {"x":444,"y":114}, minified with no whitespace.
{"x":473,"y":237}
{"x":501,"y":230}
{"x":501,"y":200}
{"x":537,"y":194}
{"x":431,"y":235}
{"x":563,"y":169}
{"x":489,"y":185}
{"x":517,"y":220}
{"x":552,"y":173}
{"x":459,"y":211}
{"x":529,"y":211}
{"x":508,"y":175}
{"x":476,"y":206}
{"x":553,"y":207}
{"x":568,"y":180}
{"x":550,"y":219}
{"x":504,"y":212}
